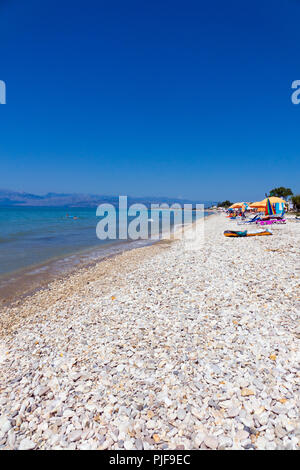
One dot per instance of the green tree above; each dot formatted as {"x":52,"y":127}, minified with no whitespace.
{"x":296,"y":201}
{"x":281,"y":192}
{"x":225,"y":204}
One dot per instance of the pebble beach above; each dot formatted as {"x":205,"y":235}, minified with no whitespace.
{"x":162,"y":347}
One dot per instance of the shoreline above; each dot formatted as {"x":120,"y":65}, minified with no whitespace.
{"x":24,"y":282}
{"x":162,"y":347}
{"x":78,"y":274}
{"x":68,"y":283}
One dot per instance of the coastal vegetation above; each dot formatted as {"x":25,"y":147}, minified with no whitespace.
{"x":296,"y":202}
{"x":225,"y":204}
{"x":281,"y":192}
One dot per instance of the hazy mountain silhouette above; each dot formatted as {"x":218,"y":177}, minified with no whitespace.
{"x":14,"y":198}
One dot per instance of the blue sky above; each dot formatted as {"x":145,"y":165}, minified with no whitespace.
{"x":176,"y":98}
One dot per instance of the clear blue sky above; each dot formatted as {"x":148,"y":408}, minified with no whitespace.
{"x":174,"y":98}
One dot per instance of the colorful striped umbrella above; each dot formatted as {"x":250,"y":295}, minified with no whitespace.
{"x":274,"y":199}
{"x":269,"y":208}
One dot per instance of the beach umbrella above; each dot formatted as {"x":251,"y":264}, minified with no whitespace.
{"x":273,"y":200}
{"x":258,"y":205}
{"x":269,"y":208}
{"x":237,"y":205}
{"x":263,"y":204}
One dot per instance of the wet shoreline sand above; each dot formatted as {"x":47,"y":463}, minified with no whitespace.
{"x":18,"y":285}
{"x":25,"y":282}
{"x":28,"y":292}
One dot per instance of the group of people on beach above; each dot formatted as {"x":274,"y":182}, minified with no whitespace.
{"x":237,"y":213}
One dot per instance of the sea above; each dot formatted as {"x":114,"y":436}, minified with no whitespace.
{"x":46,"y":241}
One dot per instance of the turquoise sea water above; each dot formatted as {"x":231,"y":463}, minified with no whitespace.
{"x":31,"y":236}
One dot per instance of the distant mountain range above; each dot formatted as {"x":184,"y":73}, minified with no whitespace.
{"x":13,"y":198}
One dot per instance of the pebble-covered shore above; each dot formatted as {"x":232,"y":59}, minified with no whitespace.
{"x":163,"y":347}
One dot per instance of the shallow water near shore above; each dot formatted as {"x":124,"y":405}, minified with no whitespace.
{"x":38,"y":245}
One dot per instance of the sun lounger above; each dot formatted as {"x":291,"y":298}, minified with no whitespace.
{"x":271,"y":221}
{"x":251,"y":221}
